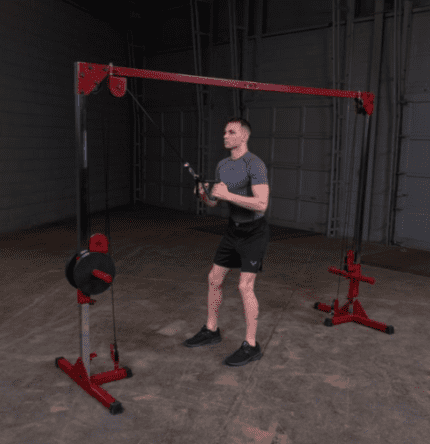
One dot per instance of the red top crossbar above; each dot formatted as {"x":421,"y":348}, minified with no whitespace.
{"x":91,"y":74}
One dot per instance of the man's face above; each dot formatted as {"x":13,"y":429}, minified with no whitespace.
{"x":234,"y":135}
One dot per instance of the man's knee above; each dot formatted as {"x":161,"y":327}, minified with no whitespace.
{"x":217,"y":275}
{"x":246,"y":289}
{"x":247,"y":281}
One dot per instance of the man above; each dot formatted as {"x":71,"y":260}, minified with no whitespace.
{"x":244,"y":186}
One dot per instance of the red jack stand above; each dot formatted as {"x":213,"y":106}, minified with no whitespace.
{"x":359,"y":315}
{"x":80,"y":372}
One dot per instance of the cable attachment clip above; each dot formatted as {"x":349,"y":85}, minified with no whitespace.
{"x":359,"y":105}
{"x":198,"y":180}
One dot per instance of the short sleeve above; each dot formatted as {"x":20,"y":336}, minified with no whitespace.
{"x":258,"y":172}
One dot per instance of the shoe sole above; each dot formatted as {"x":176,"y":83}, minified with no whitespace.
{"x":210,"y":342}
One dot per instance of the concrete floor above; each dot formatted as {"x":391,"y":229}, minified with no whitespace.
{"x":346,"y":384}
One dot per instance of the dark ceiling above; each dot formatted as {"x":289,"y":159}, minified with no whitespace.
{"x":145,"y":17}
{"x":147,"y":9}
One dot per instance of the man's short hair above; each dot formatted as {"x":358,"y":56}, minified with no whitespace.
{"x":244,"y":123}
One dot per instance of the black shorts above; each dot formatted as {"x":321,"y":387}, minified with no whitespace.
{"x":244,"y":246}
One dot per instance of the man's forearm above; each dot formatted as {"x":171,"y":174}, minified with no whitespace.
{"x":250,"y":203}
{"x":207,"y":201}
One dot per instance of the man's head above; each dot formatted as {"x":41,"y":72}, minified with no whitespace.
{"x":236,"y":133}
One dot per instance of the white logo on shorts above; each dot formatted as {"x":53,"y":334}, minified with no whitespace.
{"x":253,"y":263}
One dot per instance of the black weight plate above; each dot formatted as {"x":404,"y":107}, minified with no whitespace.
{"x":84,"y":267}
{"x":70,"y":267}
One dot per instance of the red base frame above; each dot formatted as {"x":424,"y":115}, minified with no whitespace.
{"x":342,"y":316}
{"x":92,"y":385}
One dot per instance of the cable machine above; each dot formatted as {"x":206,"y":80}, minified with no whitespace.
{"x":92,"y":271}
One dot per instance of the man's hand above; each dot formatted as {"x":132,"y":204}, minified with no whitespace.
{"x":220,"y":191}
{"x":206,"y":199}
{"x":201,"y":190}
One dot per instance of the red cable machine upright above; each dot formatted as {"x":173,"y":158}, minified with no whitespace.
{"x":88,"y":76}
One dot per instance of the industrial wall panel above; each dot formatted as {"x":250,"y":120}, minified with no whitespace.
{"x":410,"y":207}
{"x":418,"y":52}
{"x":412,"y":223}
{"x":281,"y":15}
{"x":172,"y":100}
{"x":261,"y":147}
{"x":420,"y":118}
{"x":317,"y":153}
{"x":313,"y":216}
{"x":314,"y":186}
{"x":153,"y":193}
{"x":297,"y":128}
{"x":164,"y":180}
{"x":154,"y":150}
{"x":172,"y":125}
{"x":190,"y":123}
{"x":169,"y":154}
{"x":286,"y":151}
{"x":190,"y":149}
{"x":261,"y":119}
{"x":279,"y":59}
{"x":301,"y":59}
{"x":284,"y":212}
{"x":40,"y":41}
{"x":172,"y":173}
{"x":298,"y":158}
{"x":292,"y":133}
{"x":172,"y":195}
{"x":285,"y":183}
{"x":153,"y":174}
{"x":415,"y":157}
{"x":288,"y":121}
{"x":318,"y":121}
{"x":150,"y":128}
{"x":163,"y":94}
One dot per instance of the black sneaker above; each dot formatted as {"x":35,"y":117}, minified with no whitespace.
{"x":204,"y":337}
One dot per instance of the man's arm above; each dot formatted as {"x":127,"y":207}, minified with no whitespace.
{"x":261,"y":191}
{"x":208,"y":202}
{"x":204,"y":197}
{"x":258,"y":202}
{"x":250,"y":203}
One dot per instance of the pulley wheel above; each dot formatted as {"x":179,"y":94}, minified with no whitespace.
{"x":84,"y":268}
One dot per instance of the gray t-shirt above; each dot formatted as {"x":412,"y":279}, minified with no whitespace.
{"x":239,"y":175}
